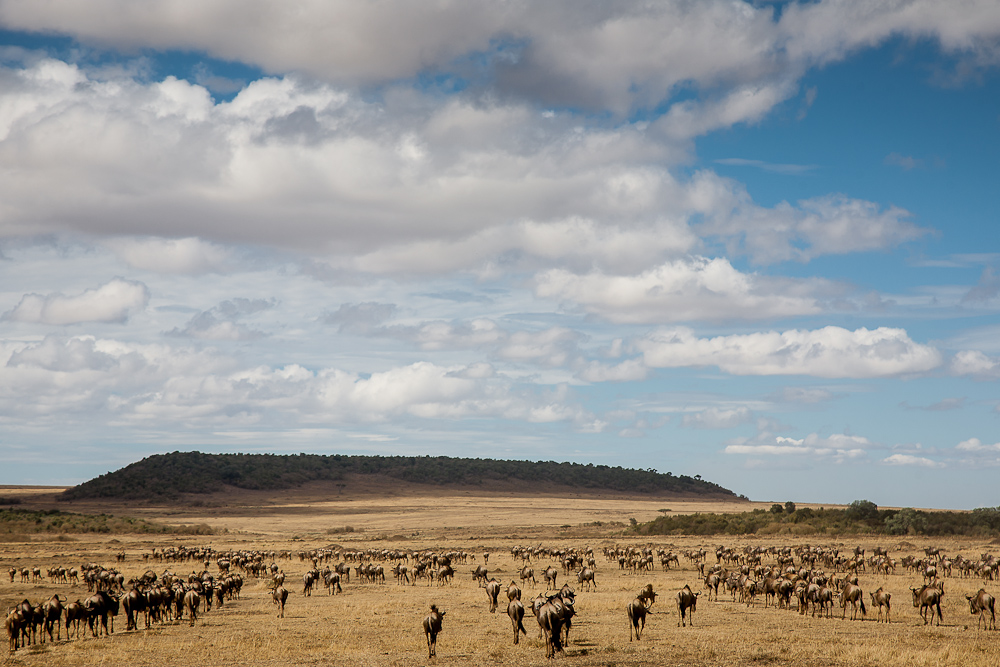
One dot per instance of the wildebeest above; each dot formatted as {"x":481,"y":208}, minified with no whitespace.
{"x":553,"y":615}
{"x":479,"y":575}
{"x":134,"y":602}
{"x":550,"y":575}
{"x":515,"y":611}
{"x":585,"y":577}
{"x":191,"y":602}
{"x":432,"y":626}
{"x":16,"y":623}
{"x":854,"y":595}
{"x":712,"y":582}
{"x":528,"y":573}
{"x":636,"y":612}
{"x":279,"y":595}
{"x":881,"y":598}
{"x":493,"y":592}
{"x":686,"y":599}
{"x":52,"y":614}
{"x":980,"y":603}
{"x":74,"y":613}
{"x":513,"y":591}
{"x":99,"y":606}
{"x":647,"y":596}
{"x":928,"y":598}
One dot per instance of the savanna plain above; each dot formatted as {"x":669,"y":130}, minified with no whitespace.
{"x":380,"y":624}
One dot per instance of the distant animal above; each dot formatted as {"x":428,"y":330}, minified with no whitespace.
{"x":432,"y":626}
{"x":636,"y":612}
{"x":686,"y":600}
{"x":278,"y":596}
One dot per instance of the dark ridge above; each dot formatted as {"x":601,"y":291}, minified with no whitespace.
{"x":166,"y":476}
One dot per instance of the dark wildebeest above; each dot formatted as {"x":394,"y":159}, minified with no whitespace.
{"x":647,"y":596}
{"x":479,"y":575}
{"x":493,"y":592}
{"x":515,"y":610}
{"x":636,"y":612}
{"x":881,"y":598}
{"x":853,"y":594}
{"x":712,"y":582}
{"x":550,"y":575}
{"x":686,"y":599}
{"x":134,"y":602}
{"x":553,"y":615}
{"x":585,"y":577}
{"x":52,"y":615}
{"x":432,"y":626}
{"x":279,"y":595}
{"x":513,"y":591}
{"x":191,"y":601}
{"x":332,"y":582}
{"x":528,"y":573}
{"x":980,"y":603}
{"x":99,"y":606}
{"x":16,"y":625}
{"x":928,"y":598}
{"x":74,"y":613}
{"x":308,"y":581}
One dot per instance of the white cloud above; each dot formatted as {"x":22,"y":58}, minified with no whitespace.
{"x":837,"y":447}
{"x":909,"y":460}
{"x":830,"y":352}
{"x":696,"y":288}
{"x":976,"y":364}
{"x":718,"y":418}
{"x":975,"y":446}
{"x":181,"y":256}
{"x":114,"y":301}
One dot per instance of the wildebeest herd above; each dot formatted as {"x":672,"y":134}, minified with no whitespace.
{"x":807,"y":580}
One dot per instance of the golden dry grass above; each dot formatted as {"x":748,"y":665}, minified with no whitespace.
{"x":380,"y":624}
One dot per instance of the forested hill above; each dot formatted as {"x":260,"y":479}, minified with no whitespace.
{"x":166,"y":476}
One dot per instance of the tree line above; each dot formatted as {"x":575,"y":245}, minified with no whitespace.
{"x":167,"y":476}
{"x":860,"y":517}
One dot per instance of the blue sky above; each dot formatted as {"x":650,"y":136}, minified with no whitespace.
{"x":750,"y":241}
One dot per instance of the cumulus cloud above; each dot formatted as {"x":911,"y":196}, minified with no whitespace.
{"x":114,"y":301}
{"x":973,"y":362}
{"x":177,"y":256}
{"x":830,"y":352}
{"x":718,"y":418}
{"x":910,"y":460}
{"x":837,"y":447}
{"x":222,"y":321}
{"x":697,"y":288}
{"x":158,"y":385}
{"x":976,"y":446}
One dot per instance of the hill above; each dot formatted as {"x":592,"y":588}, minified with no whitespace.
{"x":167,"y":476}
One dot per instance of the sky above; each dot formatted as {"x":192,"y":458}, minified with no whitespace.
{"x":752,"y":241}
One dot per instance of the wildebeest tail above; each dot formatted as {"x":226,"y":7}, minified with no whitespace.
{"x":863,"y":610}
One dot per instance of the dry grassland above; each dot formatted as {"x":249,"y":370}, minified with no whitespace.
{"x":373,"y":624}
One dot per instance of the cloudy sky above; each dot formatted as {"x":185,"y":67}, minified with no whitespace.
{"x":755,"y":241}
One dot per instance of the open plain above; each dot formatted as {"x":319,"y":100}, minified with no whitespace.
{"x":380,"y":623}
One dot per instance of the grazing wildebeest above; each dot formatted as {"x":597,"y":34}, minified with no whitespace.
{"x":881,"y":598}
{"x":686,"y":599}
{"x":432,"y":626}
{"x":928,"y":598}
{"x":479,"y":575}
{"x":515,"y":610}
{"x":636,"y":612}
{"x":980,"y":603}
{"x":550,"y":575}
{"x":493,"y":592}
{"x":647,"y":596}
{"x":279,"y":595}
{"x":513,"y":591}
{"x":585,"y":577}
{"x":854,"y":595}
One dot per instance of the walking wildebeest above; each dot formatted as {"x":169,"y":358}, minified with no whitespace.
{"x":636,"y":612}
{"x":647,"y":596}
{"x":528,"y":573}
{"x":493,"y":592}
{"x":980,"y":603}
{"x":585,"y":577}
{"x":686,"y":599}
{"x":515,"y":610}
{"x":854,"y":595}
{"x":928,"y":598}
{"x":881,"y":598}
{"x":279,"y":595}
{"x":550,"y":575}
{"x":432,"y":626}
{"x":553,"y":615}
{"x":513,"y":591}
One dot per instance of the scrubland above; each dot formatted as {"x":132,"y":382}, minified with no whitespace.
{"x":379,"y":624}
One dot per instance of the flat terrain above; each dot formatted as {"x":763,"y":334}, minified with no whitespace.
{"x":379,"y":624}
